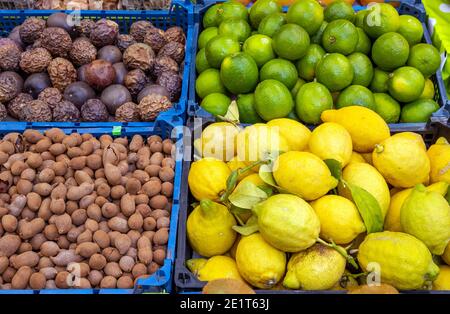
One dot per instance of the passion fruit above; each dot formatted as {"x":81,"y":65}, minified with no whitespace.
{"x":110,"y":53}
{"x":100,"y":74}
{"x":36,"y":83}
{"x":78,"y":93}
{"x":114,"y":96}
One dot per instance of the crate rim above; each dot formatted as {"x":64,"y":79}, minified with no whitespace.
{"x":162,"y":279}
{"x":442,"y":114}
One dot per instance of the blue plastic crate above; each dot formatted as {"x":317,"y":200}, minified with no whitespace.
{"x":410,"y":7}
{"x":187,"y":283}
{"x":179,"y":14}
{"x":166,"y":127}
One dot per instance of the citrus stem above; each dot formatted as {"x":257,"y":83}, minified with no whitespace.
{"x":355,"y":276}
{"x":232,"y":179}
{"x":341,"y":251}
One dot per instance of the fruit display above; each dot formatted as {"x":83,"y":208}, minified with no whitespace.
{"x":51,"y":71}
{"x":310,"y":59}
{"x":87,"y":4}
{"x":347,"y":205}
{"x":78,"y":211}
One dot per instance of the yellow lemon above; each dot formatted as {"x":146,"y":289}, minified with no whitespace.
{"x":414,"y":137}
{"x":287,"y":222}
{"x":357,"y":157}
{"x":258,"y":141}
{"x":209,"y":229}
{"x":446,"y":255}
{"x":367,"y":177}
{"x":339,"y":219}
{"x":235,"y":164}
{"x":399,"y":258}
{"x":331,"y":141}
{"x":439,"y":154}
{"x":373,"y":289}
{"x":260,"y":264}
{"x":296,"y":134}
{"x":216,"y":267}
{"x":207,"y":178}
{"x":303,"y":174}
{"x":218,"y":140}
{"x":401,"y":161}
{"x":365,"y":126}
{"x":442,"y":281}
{"x":426,"y":215}
{"x":316,"y":268}
{"x":392,"y":221}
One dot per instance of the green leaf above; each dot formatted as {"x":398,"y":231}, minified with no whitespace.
{"x":250,"y":227}
{"x":447,"y":196}
{"x":368,"y":207}
{"x":265,"y":173}
{"x":246,"y":195}
{"x":335,"y":168}
{"x":237,"y":212}
{"x":232,"y":114}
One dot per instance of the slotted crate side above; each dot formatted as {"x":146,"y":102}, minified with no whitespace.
{"x":161,"y":280}
{"x":186,"y":282}
{"x":407,"y":7}
{"x":178,"y":15}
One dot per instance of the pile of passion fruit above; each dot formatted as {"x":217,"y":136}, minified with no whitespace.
{"x":52,"y":70}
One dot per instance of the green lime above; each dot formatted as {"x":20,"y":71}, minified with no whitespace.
{"x":428,"y":90}
{"x":271,"y":24}
{"x":334,"y":71}
{"x":216,"y":104}
{"x":239,"y":73}
{"x":259,"y":47}
{"x":359,"y":18}
{"x":340,"y":36}
{"x":364,"y":44}
{"x":411,"y":29}
{"x":206,"y":35}
{"x":312,"y":99}
{"x":418,"y":111}
{"x":339,"y":10}
{"x":231,"y":9}
{"x":273,"y":100}
{"x":246,"y":107}
{"x":425,"y":58}
{"x":406,"y":84}
{"x":210,"y":18}
{"x":219,"y":47}
{"x":201,"y":64}
{"x":362,"y":69}
{"x":281,"y":70}
{"x":300,"y":82}
{"x":209,"y":82}
{"x":262,"y":8}
{"x":306,"y":66}
{"x":235,"y":27}
{"x":379,"y":81}
{"x":356,"y":95}
{"x":387,"y":107}
{"x":317,"y":37}
{"x":291,"y":42}
{"x":307,"y":14}
{"x":390,"y":51}
{"x":380,"y":19}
